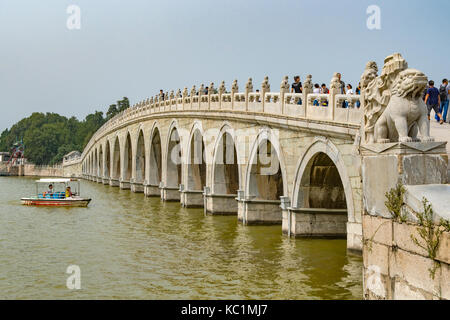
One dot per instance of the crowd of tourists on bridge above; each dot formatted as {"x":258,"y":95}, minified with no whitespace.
{"x":435,"y":99}
{"x":296,"y":87}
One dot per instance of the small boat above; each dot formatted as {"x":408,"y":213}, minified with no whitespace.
{"x":57,"y":198}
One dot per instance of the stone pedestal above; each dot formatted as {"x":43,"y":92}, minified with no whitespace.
{"x":221,"y":204}
{"x":114,"y":182}
{"x":259,"y":212}
{"x":105,"y":181}
{"x":411,"y":163}
{"x":99,"y":179}
{"x":125,"y":185}
{"x":312,"y":222}
{"x":191,"y":199}
{"x":152,"y":190}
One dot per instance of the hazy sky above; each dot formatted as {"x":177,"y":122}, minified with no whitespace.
{"x":133,"y":48}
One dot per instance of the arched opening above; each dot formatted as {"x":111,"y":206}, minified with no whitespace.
{"x":266,"y":179}
{"x":140,"y":159}
{"x":127,"y":159}
{"x":197,"y":164}
{"x":116,"y":160}
{"x":96,"y":162}
{"x":92,"y":164}
{"x":265,"y":186}
{"x":107,"y":160}
{"x":321,"y":185}
{"x":155,"y":158}
{"x":173,"y":178}
{"x":226,"y":170}
{"x":320,"y":204}
{"x":100,"y":160}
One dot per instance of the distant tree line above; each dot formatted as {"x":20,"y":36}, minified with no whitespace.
{"x":48,"y":137}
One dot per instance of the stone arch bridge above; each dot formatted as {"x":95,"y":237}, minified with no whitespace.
{"x":267,"y":157}
{"x":308,"y":162}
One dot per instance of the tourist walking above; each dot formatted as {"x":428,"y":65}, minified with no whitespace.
{"x":433,"y":101}
{"x":342,"y":86}
{"x":325,"y":89}
{"x":444,"y":93}
{"x":297,"y":87}
{"x":358,"y":92}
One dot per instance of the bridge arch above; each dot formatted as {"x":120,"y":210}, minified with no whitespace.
{"x":93,"y":163}
{"x":266,"y":170}
{"x":100,"y":161}
{"x":155,"y":156}
{"x":173,"y":157}
{"x":107,"y":167}
{"x":127,"y":167}
{"x":196,"y":159}
{"x":116,"y":166}
{"x":140,"y":158}
{"x":322,"y":170}
{"x":225,"y":171}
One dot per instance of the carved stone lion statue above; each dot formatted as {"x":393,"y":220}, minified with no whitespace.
{"x":406,"y":113}
{"x":392,"y":104}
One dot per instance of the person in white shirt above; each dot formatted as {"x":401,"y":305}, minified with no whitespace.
{"x":316,"y":88}
{"x":350,"y":89}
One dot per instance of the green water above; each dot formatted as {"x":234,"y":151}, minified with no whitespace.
{"x":130,"y":246}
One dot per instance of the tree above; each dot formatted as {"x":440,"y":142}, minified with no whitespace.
{"x":112,"y":111}
{"x":49,"y":136}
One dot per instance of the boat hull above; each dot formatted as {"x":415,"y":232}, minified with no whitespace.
{"x":55,"y":202}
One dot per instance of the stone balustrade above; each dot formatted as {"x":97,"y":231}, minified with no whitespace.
{"x":305,"y":106}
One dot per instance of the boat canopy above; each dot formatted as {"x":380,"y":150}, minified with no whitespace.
{"x":56,"y":180}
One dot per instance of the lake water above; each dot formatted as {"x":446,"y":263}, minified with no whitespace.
{"x":132,"y":247}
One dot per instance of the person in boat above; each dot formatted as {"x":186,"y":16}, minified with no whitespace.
{"x":50,"y":190}
{"x":68,"y":192}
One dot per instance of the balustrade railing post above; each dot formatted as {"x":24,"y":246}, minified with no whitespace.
{"x":210,"y":92}
{"x":307,"y":89}
{"x":335,"y":88}
{"x":265,"y":87}
{"x":234,"y":90}
{"x":222,"y":90}
{"x":184,"y":97}
{"x":248,"y":89}
{"x":284,"y":88}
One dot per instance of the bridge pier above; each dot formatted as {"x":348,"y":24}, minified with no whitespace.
{"x":151,"y":190}
{"x":221,"y":204}
{"x":124,"y":185}
{"x":114,"y":182}
{"x":314,"y":222}
{"x":259,"y":212}
{"x":191,"y":199}
{"x":169,"y":193}
{"x":136,"y":187}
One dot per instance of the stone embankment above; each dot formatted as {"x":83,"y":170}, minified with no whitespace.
{"x":31,"y":170}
